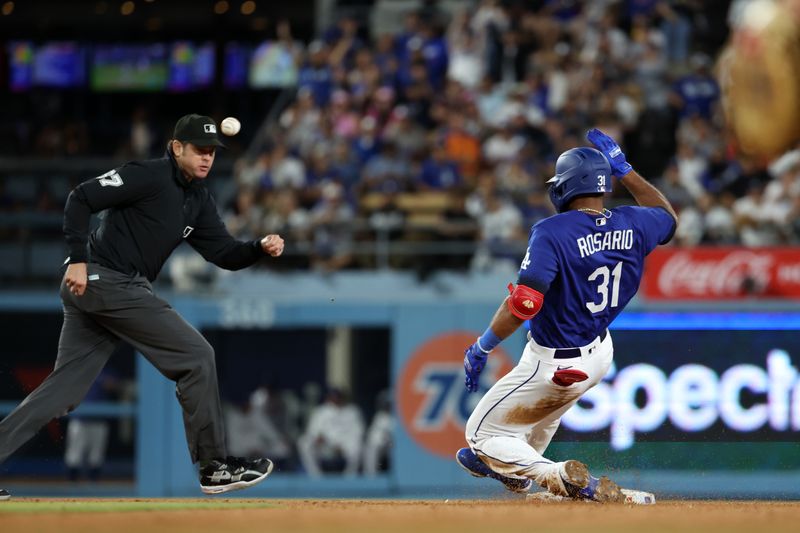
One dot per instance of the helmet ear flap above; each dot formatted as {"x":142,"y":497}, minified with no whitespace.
{"x":556,"y":192}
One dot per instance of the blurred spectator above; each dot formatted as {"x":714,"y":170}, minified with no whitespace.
{"x":387,"y":172}
{"x":673,"y":188}
{"x":690,"y":166}
{"x":462,"y":147}
{"x":316,"y":75}
{"x":251,"y":433}
{"x":697,"y":92}
{"x":501,"y":233}
{"x":676,"y":24}
{"x":438,"y":172}
{"x":367,"y":143}
{"x":467,"y":65}
{"x":332,"y":224}
{"x":378,"y":443}
{"x":344,"y":42}
{"x":285,"y":170}
{"x":87,"y":436}
{"x":142,"y":136}
{"x":243,"y":219}
{"x":407,"y":135}
{"x":344,"y":165}
{"x":755,"y":221}
{"x":720,"y":223}
{"x":503,"y":146}
{"x":333,"y":438}
{"x":286,"y":217}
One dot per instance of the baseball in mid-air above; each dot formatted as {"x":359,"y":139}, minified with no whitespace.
{"x":230,"y":126}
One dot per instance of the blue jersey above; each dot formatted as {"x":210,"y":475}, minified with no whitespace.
{"x":589,"y":267}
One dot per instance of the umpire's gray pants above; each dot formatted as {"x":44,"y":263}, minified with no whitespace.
{"x":118,"y":307}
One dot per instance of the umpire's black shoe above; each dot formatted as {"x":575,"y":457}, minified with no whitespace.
{"x":4,"y":495}
{"x":233,"y":473}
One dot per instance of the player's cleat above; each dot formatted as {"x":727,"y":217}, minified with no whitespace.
{"x":233,"y":473}
{"x":4,"y":495}
{"x":581,"y":485}
{"x":470,"y":462}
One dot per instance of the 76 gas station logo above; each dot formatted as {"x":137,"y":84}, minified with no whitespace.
{"x":434,"y":405}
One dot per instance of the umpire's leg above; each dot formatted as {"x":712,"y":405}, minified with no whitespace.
{"x":175,"y":348}
{"x":83,"y":350}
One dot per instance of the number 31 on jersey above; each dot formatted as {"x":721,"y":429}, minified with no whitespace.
{"x":605,"y":275}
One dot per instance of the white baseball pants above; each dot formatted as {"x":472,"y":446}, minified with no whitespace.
{"x":514,"y":422}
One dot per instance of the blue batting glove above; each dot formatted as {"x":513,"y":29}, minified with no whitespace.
{"x":474,"y":361}
{"x":612,"y":151}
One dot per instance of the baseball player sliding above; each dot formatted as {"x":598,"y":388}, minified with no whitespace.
{"x":581,"y":268}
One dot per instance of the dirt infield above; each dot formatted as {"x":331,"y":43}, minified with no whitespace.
{"x":323,"y":516}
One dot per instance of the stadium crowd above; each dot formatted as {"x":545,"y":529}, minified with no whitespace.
{"x":480,"y":105}
{"x":446,"y":131}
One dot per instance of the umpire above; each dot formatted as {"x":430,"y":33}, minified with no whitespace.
{"x":150,"y":207}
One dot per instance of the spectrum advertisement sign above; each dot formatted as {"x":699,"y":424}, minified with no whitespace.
{"x":693,"y":385}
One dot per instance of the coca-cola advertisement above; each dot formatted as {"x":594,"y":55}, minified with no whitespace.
{"x":722,"y":273}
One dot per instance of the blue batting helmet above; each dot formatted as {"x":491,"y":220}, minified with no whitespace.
{"x":579,"y":172}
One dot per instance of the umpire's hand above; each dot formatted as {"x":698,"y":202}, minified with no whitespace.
{"x":273,"y":245}
{"x":75,"y":278}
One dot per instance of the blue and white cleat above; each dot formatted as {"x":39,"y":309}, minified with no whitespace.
{"x":581,"y":485}
{"x":4,"y":495}
{"x":470,"y":462}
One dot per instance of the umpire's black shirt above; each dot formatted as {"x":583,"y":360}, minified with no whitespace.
{"x":150,"y":209}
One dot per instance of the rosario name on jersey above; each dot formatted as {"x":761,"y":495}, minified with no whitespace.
{"x":588,"y":266}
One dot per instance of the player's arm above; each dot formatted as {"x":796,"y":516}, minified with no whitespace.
{"x":524,"y":301}
{"x":114,"y":188}
{"x":211,"y":238}
{"x":644,"y":192}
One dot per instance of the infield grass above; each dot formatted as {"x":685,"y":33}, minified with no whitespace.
{"x":118,"y":506}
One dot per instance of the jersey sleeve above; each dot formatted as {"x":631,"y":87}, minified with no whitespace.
{"x":540,"y":265}
{"x":657,"y":224}
{"x":118,"y":187}
{"x":212,"y":239}
{"x":121,"y":186}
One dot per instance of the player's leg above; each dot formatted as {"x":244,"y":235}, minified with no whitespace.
{"x":520,"y":401}
{"x":495,"y":432}
{"x":83,"y":350}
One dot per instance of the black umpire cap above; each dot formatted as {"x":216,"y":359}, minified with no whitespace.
{"x":198,"y":130}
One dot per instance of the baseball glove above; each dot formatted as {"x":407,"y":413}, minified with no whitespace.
{"x":759,"y":74}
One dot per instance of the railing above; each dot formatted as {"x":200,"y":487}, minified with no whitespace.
{"x":97,"y":409}
{"x":36,"y":249}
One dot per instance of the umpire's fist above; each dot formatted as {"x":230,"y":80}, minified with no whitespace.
{"x":272,"y":245}
{"x":474,"y":361}
{"x":76,"y":278}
